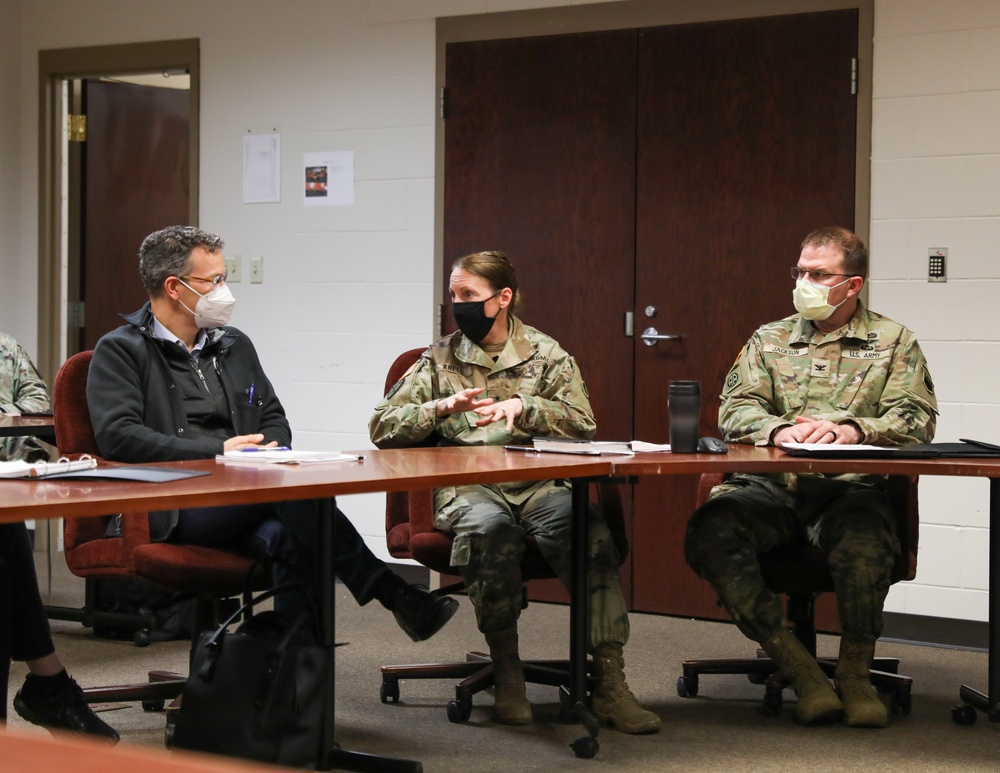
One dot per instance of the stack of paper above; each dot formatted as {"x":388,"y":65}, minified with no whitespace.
{"x":283,"y":456}
{"x":589,"y":447}
{"x":592,"y":447}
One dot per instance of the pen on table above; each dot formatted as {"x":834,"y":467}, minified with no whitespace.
{"x":248,"y":449}
{"x":526,"y":449}
{"x":250,"y":392}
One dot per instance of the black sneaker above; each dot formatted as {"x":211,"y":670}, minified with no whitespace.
{"x":64,"y":709}
{"x":421,"y":614}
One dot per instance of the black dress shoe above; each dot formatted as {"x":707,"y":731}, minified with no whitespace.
{"x":62,"y":709}
{"x":419,"y":613}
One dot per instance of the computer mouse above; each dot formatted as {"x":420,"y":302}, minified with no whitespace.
{"x":712,"y":445}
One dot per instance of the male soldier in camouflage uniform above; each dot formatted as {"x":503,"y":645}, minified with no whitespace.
{"x":21,"y":391}
{"x":833,"y":373}
{"x":529,"y":387}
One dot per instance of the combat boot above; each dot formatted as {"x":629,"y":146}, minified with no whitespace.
{"x":613,"y":702}
{"x":862,"y":706}
{"x":817,"y":700}
{"x":510,"y":702}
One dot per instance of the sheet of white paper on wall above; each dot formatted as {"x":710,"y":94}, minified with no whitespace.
{"x":328,"y":178}
{"x":261,"y":168}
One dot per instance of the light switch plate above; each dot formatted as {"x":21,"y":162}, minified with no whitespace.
{"x":256,"y":269}
{"x":233,"y":266}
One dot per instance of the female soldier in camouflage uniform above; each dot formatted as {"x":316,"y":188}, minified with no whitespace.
{"x":498,"y":381}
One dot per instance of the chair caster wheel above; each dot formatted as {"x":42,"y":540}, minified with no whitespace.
{"x":153,"y":704}
{"x":770,"y":706}
{"x":964,"y":715}
{"x":168,"y":735}
{"x":585,"y":747}
{"x":900,"y":703}
{"x":687,"y":686}
{"x":459,"y":710}
{"x":757,"y":678}
{"x":143,"y":637}
{"x":389,"y":692}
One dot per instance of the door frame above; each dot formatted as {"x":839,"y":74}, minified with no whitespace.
{"x":628,"y":14}
{"x":54,"y":67}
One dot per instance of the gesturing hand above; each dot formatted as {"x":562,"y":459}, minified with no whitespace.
{"x":508,"y":409}
{"x":460,"y":402}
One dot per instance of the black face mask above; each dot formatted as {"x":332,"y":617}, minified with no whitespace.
{"x":470,"y":316}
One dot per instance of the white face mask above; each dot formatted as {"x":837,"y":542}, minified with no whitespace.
{"x":812,"y":300}
{"x":213,"y":309}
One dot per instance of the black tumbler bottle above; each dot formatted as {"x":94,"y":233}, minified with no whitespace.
{"x":684,"y":405}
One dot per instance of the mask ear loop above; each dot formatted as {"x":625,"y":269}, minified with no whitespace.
{"x":186,"y":307}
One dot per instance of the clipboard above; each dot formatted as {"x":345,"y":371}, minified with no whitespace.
{"x":964,"y":449}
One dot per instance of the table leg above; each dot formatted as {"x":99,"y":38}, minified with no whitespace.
{"x":579,"y":620}
{"x":974,"y":700}
{"x":330,"y":754}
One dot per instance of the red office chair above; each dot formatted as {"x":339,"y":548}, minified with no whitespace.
{"x":208,"y":575}
{"x":410,"y":533}
{"x":801,"y":572}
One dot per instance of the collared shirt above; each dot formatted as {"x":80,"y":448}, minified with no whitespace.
{"x":198,"y":379}
{"x":163,"y":333}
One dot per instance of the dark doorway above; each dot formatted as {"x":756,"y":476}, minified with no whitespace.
{"x":134,"y":181}
{"x":61,"y":217}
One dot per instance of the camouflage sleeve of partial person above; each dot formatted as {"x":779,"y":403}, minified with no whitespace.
{"x":22,"y":389}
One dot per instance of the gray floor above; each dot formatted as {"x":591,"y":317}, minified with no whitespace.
{"x":721,"y":730}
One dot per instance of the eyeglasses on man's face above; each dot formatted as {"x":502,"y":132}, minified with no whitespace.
{"x":814,"y":276}
{"x":218,"y":279}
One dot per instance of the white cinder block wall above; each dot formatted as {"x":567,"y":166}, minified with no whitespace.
{"x":347,"y":288}
{"x":936,"y":183}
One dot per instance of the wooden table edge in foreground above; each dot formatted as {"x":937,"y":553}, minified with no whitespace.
{"x":23,"y":752}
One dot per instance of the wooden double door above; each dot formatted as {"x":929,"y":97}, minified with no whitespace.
{"x":654,"y":178}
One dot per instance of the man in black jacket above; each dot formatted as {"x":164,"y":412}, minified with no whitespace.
{"x":177,"y":383}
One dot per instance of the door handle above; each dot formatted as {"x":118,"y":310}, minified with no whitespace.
{"x":651,"y":335}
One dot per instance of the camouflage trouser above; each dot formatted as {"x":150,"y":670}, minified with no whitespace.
{"x":852,"y":524}
{"x":489,"y":544}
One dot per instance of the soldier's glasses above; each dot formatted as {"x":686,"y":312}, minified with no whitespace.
{"x":816,"y":276}
{"x":218,"y":279}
